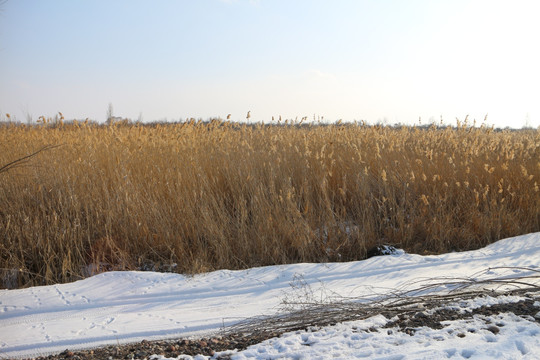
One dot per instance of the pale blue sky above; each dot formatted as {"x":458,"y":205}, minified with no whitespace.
{"x":353,"y":60}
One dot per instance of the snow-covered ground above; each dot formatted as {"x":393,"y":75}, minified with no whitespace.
{"x":518,"y":339}
{"x":122,"y":307}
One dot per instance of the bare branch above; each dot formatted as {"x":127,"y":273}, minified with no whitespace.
{"x":21,"y":161}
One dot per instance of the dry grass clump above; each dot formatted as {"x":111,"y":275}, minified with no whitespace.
{"x":212,"y":195}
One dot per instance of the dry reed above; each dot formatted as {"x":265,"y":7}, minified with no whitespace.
{"x":199,"y":196}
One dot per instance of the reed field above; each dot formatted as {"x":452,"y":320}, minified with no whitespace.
{"x":198,"y":196}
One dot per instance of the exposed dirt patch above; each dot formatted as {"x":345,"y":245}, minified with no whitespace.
{"x":408,"y":322}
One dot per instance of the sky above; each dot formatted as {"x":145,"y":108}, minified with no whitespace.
{"x":379,"y":61}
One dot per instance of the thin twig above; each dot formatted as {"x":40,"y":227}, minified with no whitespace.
{"x":19,"y":162}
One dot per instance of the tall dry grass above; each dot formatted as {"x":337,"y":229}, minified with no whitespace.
{"x":215,"y":195}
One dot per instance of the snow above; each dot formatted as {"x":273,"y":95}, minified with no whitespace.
{"x":519,"y":338}
{"x":124,"y":307}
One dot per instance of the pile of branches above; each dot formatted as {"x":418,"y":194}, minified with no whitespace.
{"x":307,"y":312}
